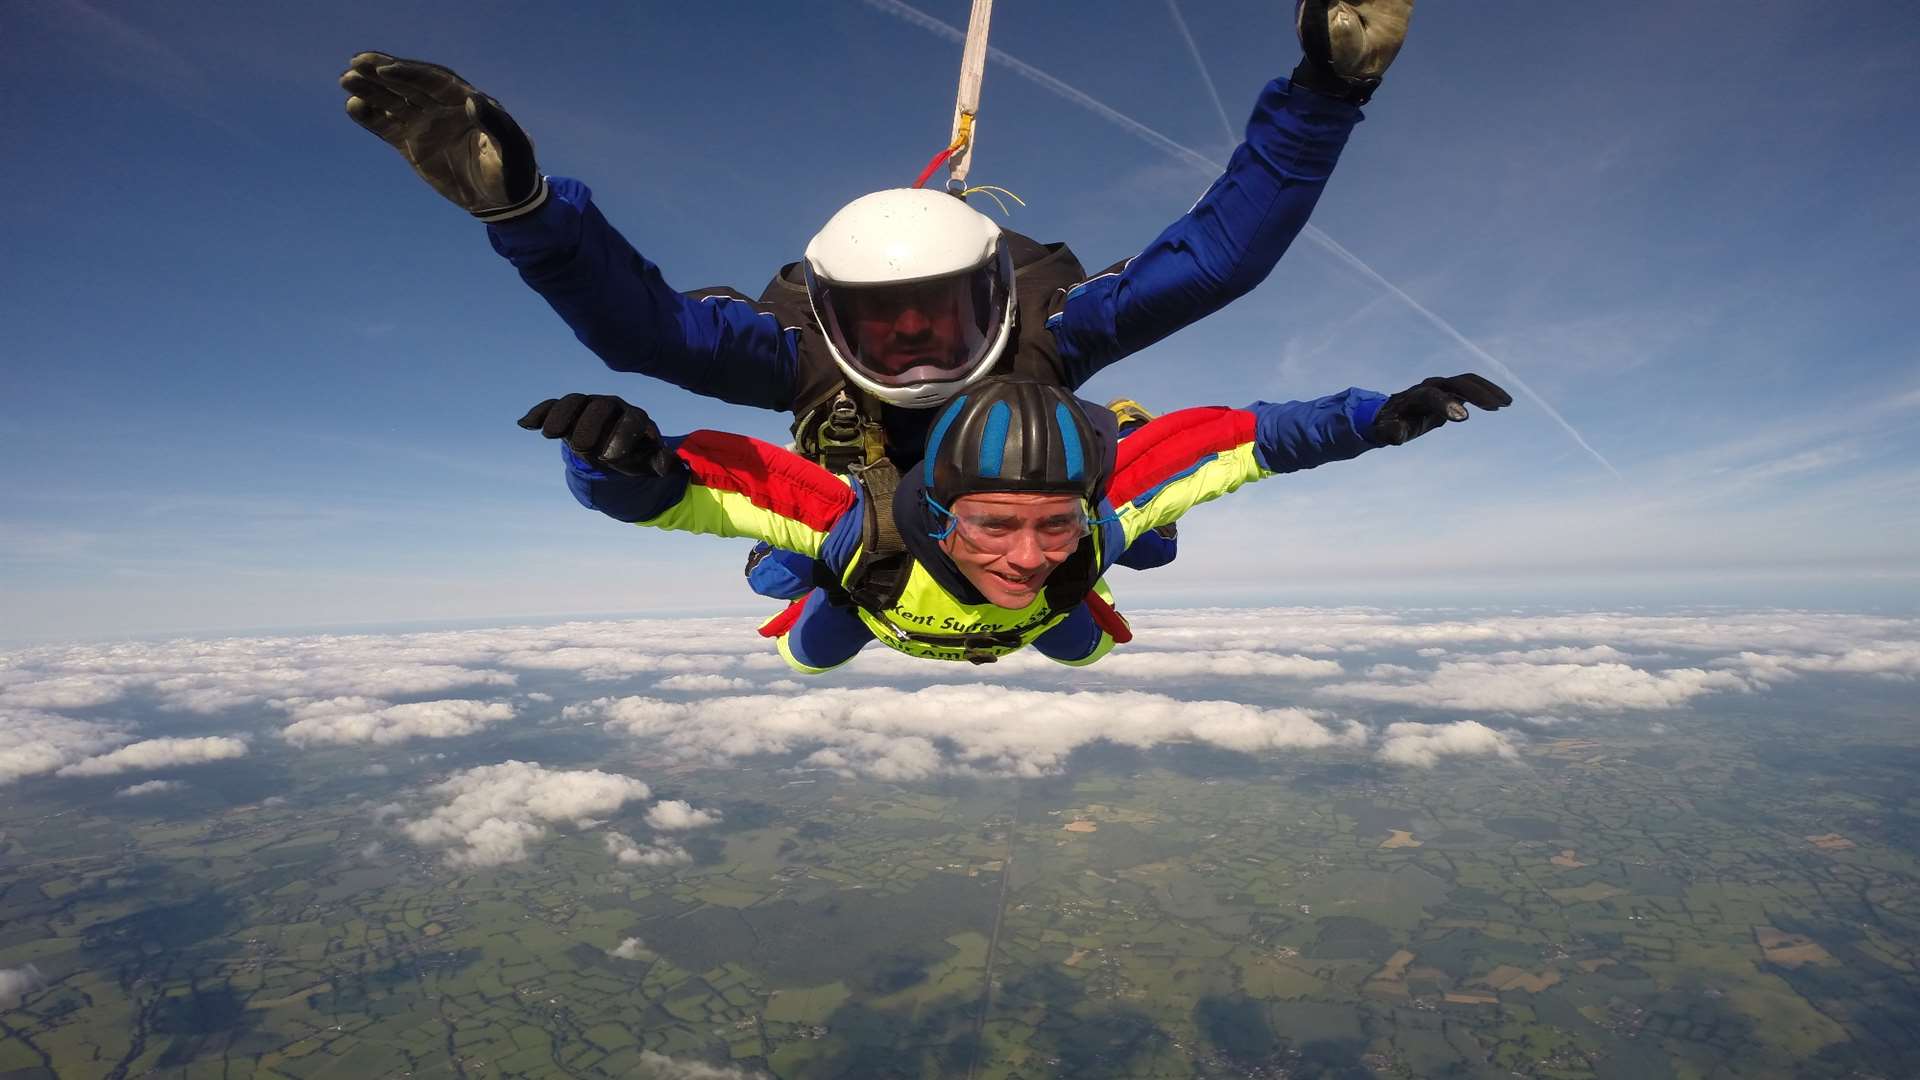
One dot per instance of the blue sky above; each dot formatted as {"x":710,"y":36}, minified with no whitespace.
{"x":258,"y":375}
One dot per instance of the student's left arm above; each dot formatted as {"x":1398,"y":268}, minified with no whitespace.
{"x":1186,"y":458}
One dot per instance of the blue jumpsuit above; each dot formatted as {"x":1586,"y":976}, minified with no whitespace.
{"x":618,"y":304}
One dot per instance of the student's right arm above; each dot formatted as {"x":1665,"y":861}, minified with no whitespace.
{"x":708,"y":482}
{"x":722,"y":485}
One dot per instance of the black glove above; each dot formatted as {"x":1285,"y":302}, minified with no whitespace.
{"x":1348,"y":44}
{"x":458,"y":139}
{"x":1413,"y":412}
{"x":607,"y":432}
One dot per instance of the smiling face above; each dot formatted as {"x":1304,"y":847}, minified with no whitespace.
{"x":1008,"y":543}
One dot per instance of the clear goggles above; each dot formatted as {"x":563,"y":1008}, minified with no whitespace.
{"x":921,"y":331}
{"x":998,"y":532}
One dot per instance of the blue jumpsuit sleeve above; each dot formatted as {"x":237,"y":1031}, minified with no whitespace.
{"x":1072,"y":639}
{"x":618,"y":305}
{"x":1297,"y":435}
{"x":1221,"y":248}
{"x":827,"y":636}
{"x":619,"y":496}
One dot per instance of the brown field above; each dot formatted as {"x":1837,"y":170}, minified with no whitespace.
{"x":1508,"y":977}
{"x":1789,"y":950}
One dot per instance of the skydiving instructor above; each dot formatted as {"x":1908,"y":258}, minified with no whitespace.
{"x":906,"y":296}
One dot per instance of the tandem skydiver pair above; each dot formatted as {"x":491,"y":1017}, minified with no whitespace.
{"x":864,"y":341}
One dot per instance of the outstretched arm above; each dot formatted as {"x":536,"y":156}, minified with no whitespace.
{"x":1193,"y":456}
{"x":1230,"y":240}
{"x":618,"y":304}
{"x":708,"y":482}
{"x":466,"y":146}
{"x":1221,"y":248}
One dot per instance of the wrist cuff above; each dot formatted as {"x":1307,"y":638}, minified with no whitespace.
{"x":1322,"y":79}
{"x":528,"y":205}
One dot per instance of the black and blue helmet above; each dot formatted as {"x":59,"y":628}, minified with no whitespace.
{"x":1015,"y":434}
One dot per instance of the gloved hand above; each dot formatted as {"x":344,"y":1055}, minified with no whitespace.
{"x":1348,"y":44}
{"x":1413,"y":412}
{"x":606,"y":431}
{"x":458,"y":139}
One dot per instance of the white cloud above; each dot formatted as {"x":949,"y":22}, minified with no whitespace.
{"x":35,"y":742}
{"x":657,"y":1066}
{"x":492,"y":814}
{"x":896,"y":734}
{"x":1474,"y":685}
{"x":629,"y":949}
{"x":630,"y":852}
{"x":710,"y":684}
{"x":347,"y":720}
{"x":1423,"y":745}
{"x":151,"y":787}
{"x":16,"y":983}
{"x":675,"y":815}
{"x":159,"y":754}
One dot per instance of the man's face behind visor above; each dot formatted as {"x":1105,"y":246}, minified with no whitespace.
{"x":924,"y":331}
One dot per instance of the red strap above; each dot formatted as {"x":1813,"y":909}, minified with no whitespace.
{"x":939,"y":159}
{"x":784,"y":621}
{"x":1108,"y":620}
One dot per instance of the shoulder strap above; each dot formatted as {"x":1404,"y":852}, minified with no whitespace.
{"x":882,"y":566}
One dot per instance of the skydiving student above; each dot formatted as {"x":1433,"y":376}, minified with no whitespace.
{"x":906,"y":297}
{"x":1000,"y":538}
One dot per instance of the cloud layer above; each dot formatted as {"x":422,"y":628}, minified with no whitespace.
{"x":1295,"y":680}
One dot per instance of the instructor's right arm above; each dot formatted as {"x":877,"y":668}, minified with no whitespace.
{"x":464,"y":145}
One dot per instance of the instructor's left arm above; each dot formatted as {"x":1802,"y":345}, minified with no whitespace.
{"x":1232,"y":238}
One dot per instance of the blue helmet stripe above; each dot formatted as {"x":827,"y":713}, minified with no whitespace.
{"x":993,"y":440}
{"x":940,"y":427}
{"x":1070,"y":442}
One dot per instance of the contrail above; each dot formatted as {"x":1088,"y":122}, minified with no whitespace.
{"x":1339,"y":251}
{"x":1193,"y":50}
{"x":1211,"y":167}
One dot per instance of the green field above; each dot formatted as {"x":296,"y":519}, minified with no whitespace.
{"x":1742,"y":900}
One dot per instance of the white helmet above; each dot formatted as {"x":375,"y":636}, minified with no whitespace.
{"x":915,"y":292}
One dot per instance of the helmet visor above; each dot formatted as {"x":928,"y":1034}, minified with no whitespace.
{"x":936,"y":330}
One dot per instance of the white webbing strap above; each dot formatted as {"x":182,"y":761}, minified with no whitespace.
{"x":966,"y":104}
